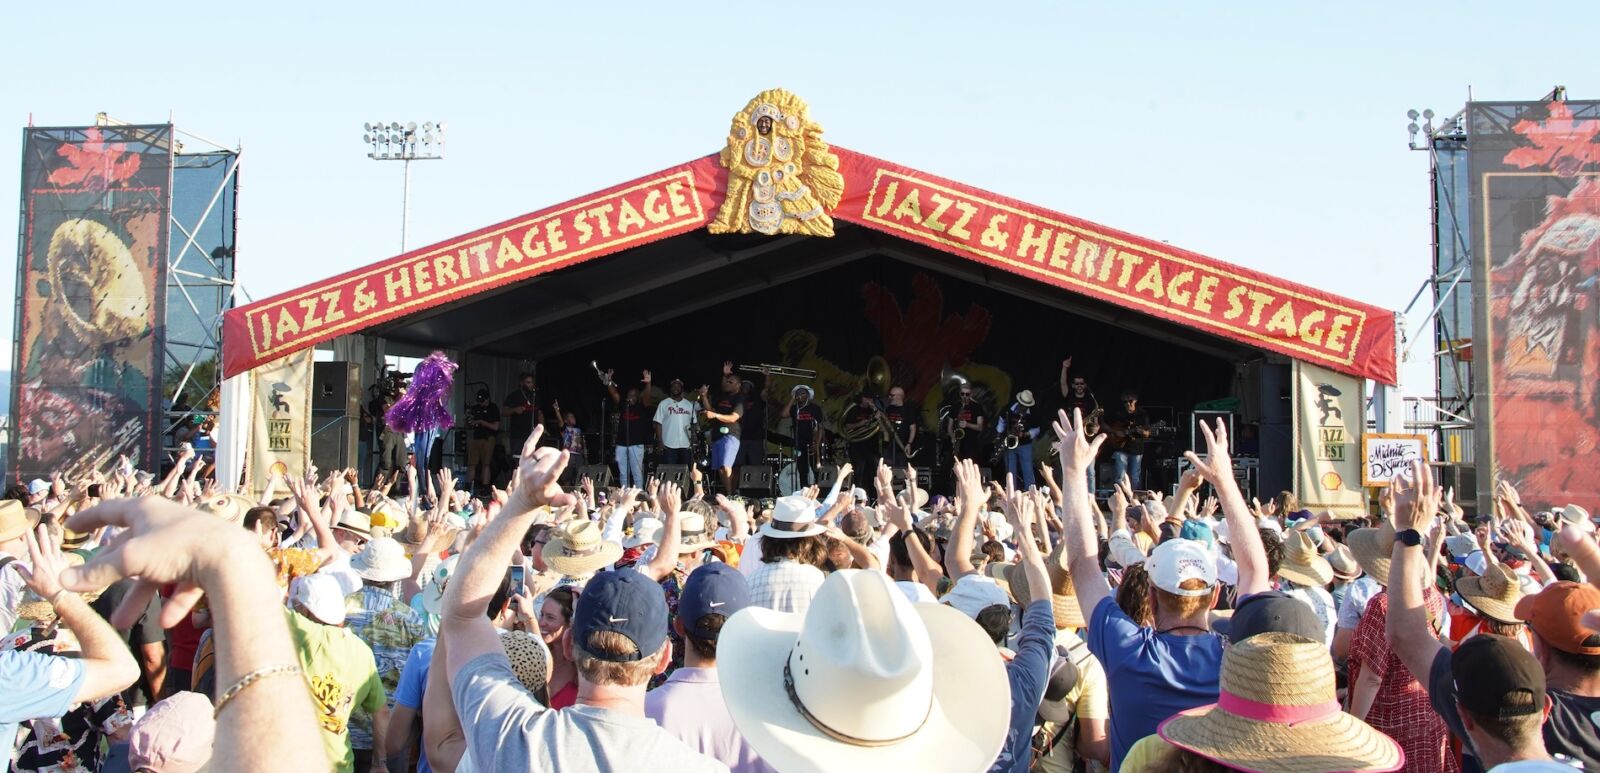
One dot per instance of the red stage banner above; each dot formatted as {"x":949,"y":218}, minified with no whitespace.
{"x":1127,"y":270}
{"x":664,"y":204}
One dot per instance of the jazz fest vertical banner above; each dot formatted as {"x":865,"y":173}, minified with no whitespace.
{"x":280,"y":424}
{"x":91,"y":282}
{"x":1329,"y":415}
{"x":1535,"y":175}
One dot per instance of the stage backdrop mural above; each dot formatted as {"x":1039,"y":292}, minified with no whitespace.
{"x":1536,"y":248}
{"x":90,"y":281}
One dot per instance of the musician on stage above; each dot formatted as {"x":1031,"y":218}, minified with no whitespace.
{"x":1127,"y":428}
{"x":753,"y":422}
{"x":806,"y":420}
{"x":522,"y":406}
{"x":1075,"y":393}
{"x":724,"y":411}
{"x":862,"y":430}
{"x":903,"y":419}
{"x":1016,"y":433}
{"x":675,"y":426}
{"x":633,"y":430}
{"x":967,"y":421}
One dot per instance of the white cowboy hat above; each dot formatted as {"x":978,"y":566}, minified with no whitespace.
{"x":1025,"y":398}
{"x":865,"y":680}
{"x":692,"y":530}
{"x":433,"y":592}
{"x":646,"y":531}
{"x":810,"y":393}
{"x":793,"y":517}
{"x":382,"y":560}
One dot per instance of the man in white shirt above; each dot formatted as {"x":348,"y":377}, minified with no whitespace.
{"x":690,"y":705}
{"x":675,"y":425}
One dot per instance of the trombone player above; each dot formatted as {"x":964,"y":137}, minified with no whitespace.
{"x":806,"y":420}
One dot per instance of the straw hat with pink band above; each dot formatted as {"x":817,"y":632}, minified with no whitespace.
{"x":1278,"y":712}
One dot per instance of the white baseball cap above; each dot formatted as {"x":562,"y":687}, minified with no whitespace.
{"x":974,"y":593}
{"x":321,"y":595}
{"x":1177,"y":560}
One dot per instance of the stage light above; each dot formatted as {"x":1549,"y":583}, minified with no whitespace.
{"x":1428,"y":114}
{"x":397,"y":142}
{"x":367,"y":126}
{"x":1412,"y":114}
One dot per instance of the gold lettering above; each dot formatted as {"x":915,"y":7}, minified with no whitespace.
{"x":444,"y":270}
{"x":910,"y":206}
{"x":331,"y":298}
{"x":1207,"y":291}
{"x":1151,"y":282}
{"x":599,"y":213}
{"x":1336,"y":332}
{"x":585,"y":231}
{"x":1235,"y":308}
{"x":1058,"y":253}
{"x":1283,"y":320}
{"x":393,"y":286}
{"x":365,"y":298}
{"x":888,"y":198}
{"x":1129,"y":263}
{"x":1258,"y":300}
{"x":266,"y":330}
{"x":1083,"y":260}
{"x":1175,"y":291}
{"x":653,"y":208}
{"x":1106,"y":264}
{"x":530,"y":247}
{"x":941,"y":203}
{"x":286,"y":324}
{"x":481,"y":252}
{"x":1036,"y":243}
{"x":628,"y":217}
{"x":993,"y":236}
{"x":312,"y":321}
{"x":1308,"y":332}
{"x":508,"y":253}
{"x":552,"y":231}
{"x":419,"y":270}
{"x":675,"y":197}
{"x":959,"y":229}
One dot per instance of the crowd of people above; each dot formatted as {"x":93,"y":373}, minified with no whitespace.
{"x":163,"y":625}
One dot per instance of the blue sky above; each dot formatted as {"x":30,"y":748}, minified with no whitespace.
{"x":1271,"y":135}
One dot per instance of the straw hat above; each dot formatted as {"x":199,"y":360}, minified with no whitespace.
{"x":577,"y":549}
{"x":1001,"y":573}
{"x":1278,"y":711}
{"x":793,"y":517}
{"x":1372,"y":548}
{"x":14,"y":521}
{"x":1063,"y":599}
{"x":864,"y":680}
{"x":1301,"y":564}
{"x":1343,"y":563}
{"x":228,"y":507}
{"x":1025,"y":398}
{"x":692,"y":530}
{"x":355,"y":522}
{"x":1494,"y":594}
{"x":530,"y":658}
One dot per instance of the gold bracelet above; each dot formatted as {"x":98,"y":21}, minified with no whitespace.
{"x":249,"y":679}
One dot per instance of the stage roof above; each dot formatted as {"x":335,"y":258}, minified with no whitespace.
{"x":553,"y":280}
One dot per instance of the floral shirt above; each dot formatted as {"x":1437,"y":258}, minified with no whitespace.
{"x":391,"y":628}
{"x":71,"y":742}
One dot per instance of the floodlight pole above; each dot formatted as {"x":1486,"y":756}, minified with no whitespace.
{"x":405,"y":205}
{"x":407,"y":143}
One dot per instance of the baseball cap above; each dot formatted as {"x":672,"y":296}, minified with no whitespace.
{"x":711,"y":589}
{"x":38,"y":486}
{"x":1497,"y":677}
{"x":322,"y":596}
{"x":626,"y":603}
{"x":1199,"y":531}
{"x":1177,"y":560}
{"x":1270,"y":612}
{"x":1554,"y":612}
{"x":174,"y":736}
{"x":974,"y":593}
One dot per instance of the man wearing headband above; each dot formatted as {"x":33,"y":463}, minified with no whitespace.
{"x":806,"y":419}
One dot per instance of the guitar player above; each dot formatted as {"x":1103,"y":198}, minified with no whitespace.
{"x":1127,"y":427}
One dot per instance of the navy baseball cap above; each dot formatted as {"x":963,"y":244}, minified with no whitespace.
{"x":623,"y":602}
{"x":1271,"y":611}
{"x":712,"y":589}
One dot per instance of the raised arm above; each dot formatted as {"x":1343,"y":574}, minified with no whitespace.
{"x":1407,"y":624}
{"x":1066,"y":389}
{"x":666,"y":557}
{"x":969,"y":482}
{"x":1217,"y":469}
{"x":107,"y":665}
{"x":1077,"y":520}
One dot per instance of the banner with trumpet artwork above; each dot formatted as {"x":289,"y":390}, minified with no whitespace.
{"x":91,"y":287}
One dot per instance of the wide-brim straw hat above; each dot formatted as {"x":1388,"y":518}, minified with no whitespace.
{"x":1063,"y":598}
{"x":1301,"y":565}
{"x":692,"y":531}
{"x":14,"y":520}
{"x":577,"y":549}
{"x":921,"y":683}
{"x":1278,"y":712}
{"x":1343,"y":563}
{"x":1025,"y":398}
{"x":228,"y":507}
{"x":1372,"y":548}
{"x":1494,"y":594}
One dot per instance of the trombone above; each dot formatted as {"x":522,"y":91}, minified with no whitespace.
{"x":779,"y":370}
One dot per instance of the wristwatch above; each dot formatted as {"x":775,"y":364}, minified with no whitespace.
{"x":1410,"y":537}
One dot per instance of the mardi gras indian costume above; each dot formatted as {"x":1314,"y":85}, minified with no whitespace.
{"x":781,"y":177}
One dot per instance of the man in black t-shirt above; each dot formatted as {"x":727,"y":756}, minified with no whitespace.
{"x":863,"y":431}
{"x":483,"y":421}
{"x":724,"y":412}
{"x":634,"y":429}
{"x":903,"y":419}
{"x":964,"y":426}
{"x":1126,"y":429}
{"x":806,"y":420}
{"x":522,"y":407}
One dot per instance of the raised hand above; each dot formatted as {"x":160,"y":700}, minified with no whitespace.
{"x":45,"y":557}
{"x":646,"y":376}
{"x":1217,"y":467}
{"x":1416,"y":499}
{"x":670,"y":497}
{"x":538,"y":473}
{"x":1077,"y":449}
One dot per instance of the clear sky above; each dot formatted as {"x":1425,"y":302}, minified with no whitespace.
{"x":1271,"y":135}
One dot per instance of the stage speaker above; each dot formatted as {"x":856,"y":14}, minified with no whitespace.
{"x":675,"y":473}
{"x":826,"y":475}
{"x":335,"y":414}
{"x":333,"y":441}
{"x":599,"y":473}
{"x":755,"y":476}
{"x":924,"y":478}
{"x":336,"y":387}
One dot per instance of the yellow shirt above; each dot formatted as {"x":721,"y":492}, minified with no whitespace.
{"x":342,"y":674}
{"x":1145,"y":755}
{"x":1089,"y":699}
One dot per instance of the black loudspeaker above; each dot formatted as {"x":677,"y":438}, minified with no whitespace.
{"x":599,"y":473}
{"x":335,"y":414}
{"x":827,"y":474}
{"x":675,"y":473}
{"x":924,"y":478}
{"x":755,"y":477}
{"x":988,"y":474}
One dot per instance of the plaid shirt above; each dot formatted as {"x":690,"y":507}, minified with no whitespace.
{"x":784,"y":585}
{"x":390,"y":627}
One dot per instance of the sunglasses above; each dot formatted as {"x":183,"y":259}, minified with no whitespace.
{"x":966,"y":394}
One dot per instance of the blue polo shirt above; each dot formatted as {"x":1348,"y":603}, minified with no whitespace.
{"x":37,"y":686}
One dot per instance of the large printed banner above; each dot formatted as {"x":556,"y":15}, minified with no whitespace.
{"x":1535,"y":171}
{"x":91,"y":286}
{"x":1329,"y":417}
{"x":1061,"y":251}
{"x":280,"y":420}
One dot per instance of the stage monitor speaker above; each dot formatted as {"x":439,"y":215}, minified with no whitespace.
{"x":755,"y":476}
{"x":599,"y":473}
{"x":675,"y":473}
{"x":826,"y":475}
{"x":333,"y":441}
{"x":336,"y":387}
{"x":924,"y":478}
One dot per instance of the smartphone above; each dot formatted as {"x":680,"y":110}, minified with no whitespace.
{"x":518,"y":579}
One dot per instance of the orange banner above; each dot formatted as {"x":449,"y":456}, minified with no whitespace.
{"x":1123,"y":269}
